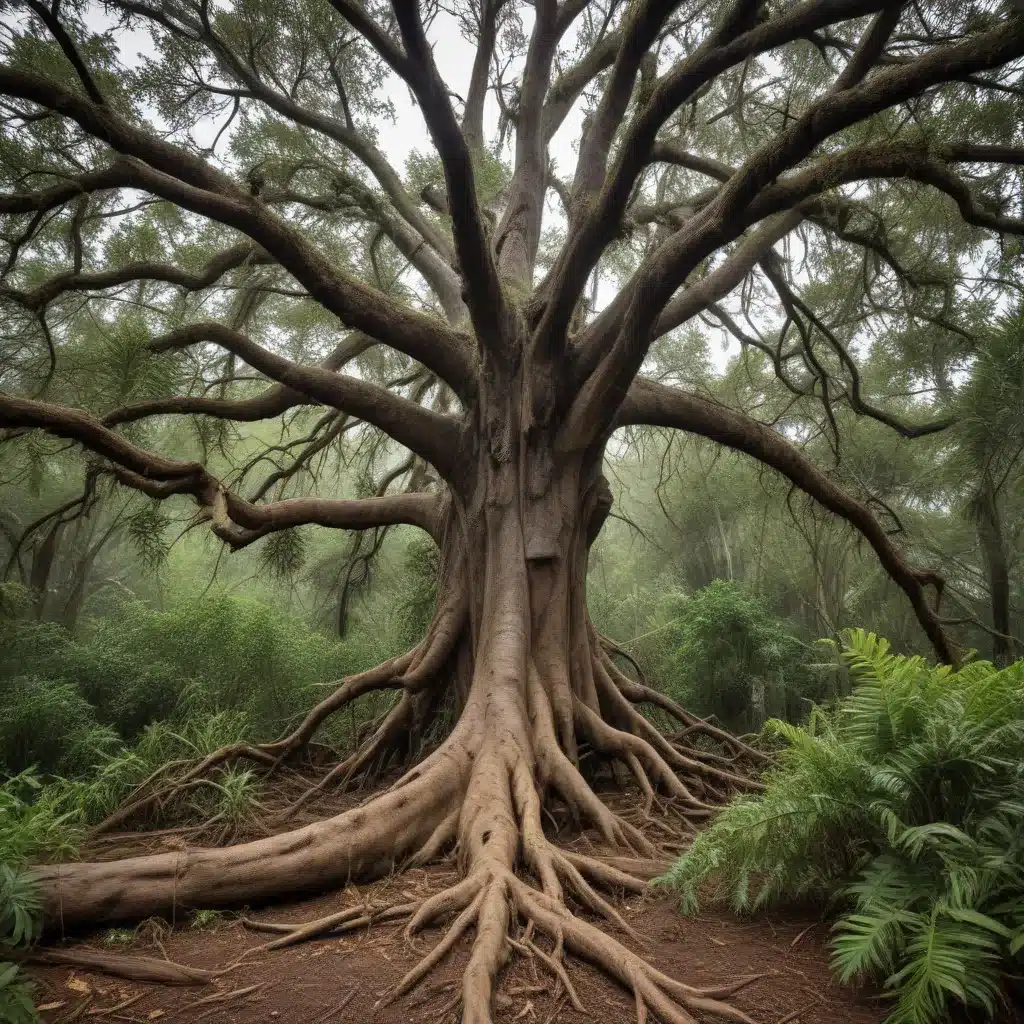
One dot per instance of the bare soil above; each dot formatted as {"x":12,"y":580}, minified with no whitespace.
{"x":342,"y":978}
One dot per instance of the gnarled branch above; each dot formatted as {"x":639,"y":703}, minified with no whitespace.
{"x":657,"y":405}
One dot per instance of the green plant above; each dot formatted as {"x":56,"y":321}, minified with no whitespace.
{"x":206,"y":918}
{"x":903,"y":806}
{"x":32,"y":822}
{"x":16,"y":1002}
{"x":722,"y":652}
{"x":32,"y":825}
{"x":119,"y":937}
{"x":237,"y":793}
{"x":20,"y":907}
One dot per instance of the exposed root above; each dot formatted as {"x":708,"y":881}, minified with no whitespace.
{"x":641,"y":693}
{"x":554,"y":964}
{"x":441,"y":950}
{"x":651,"y":988}
{"x":486,"y":791}
{"x":359,"y":916}
{"x":224,"y":997}
{"x":135,"y":968}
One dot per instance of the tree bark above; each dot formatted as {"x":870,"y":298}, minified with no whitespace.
{"x":997,"y":569}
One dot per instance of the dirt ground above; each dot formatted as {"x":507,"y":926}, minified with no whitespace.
{"x":343,"y":978}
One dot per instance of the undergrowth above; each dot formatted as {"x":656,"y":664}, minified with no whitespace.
{"x":74,"y":704}
{"x":903,"y":808}
{"x":32,"y":826}
{"x":720,"y":652}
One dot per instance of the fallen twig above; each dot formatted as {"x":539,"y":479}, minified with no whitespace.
{"x":337,"y":1009}
{"x":223,"y":997}
{"x":120,"y":1006}
{"x":797,"y":1013}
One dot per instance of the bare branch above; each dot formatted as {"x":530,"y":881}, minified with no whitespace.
{"x":275,"y":401}
{"x":603,"y":197}
{"x":431,"y":435}
{"x":234,"y":520}
{"x":115,"y":175}
{"x":488,"y":310}
{"x":519,"y":228}
{"x":473,"y":114}
{"x":49,"y":18}
{"x":749,"y":195}
{"x":569,"y":86}
{"x":41,"y":296}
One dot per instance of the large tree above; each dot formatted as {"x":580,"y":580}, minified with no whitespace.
{"x":732,"y":156}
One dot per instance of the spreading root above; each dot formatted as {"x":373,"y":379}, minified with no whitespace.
{"x":520,"y":765}
{"x":718,"y":762}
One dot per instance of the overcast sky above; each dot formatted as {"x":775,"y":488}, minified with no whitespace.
{"x":453,"y":55}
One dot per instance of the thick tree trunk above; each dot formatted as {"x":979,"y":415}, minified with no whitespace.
{"x":512,"y":647}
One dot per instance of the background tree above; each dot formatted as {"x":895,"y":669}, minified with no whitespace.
{"x":817,"y":178}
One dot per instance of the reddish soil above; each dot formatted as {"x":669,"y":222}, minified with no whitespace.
{"x":342,"y":978}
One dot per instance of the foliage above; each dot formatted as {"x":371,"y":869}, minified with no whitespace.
{"x":206,"y":918}
{"x":904,"y":806}
{"x":731,"y":643}
{"x":32,"y":825}
{"x":422,"y":564}
{"x":721,"y":651}
{"x":128,"y":670}
{"x":16,"y":1003}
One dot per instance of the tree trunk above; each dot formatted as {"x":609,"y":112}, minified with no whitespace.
{"x":512,"y":647}
{"x":994,"y":555}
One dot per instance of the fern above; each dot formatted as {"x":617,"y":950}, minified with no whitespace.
{"x":901,"y":806}
{"x":16,"y":1003}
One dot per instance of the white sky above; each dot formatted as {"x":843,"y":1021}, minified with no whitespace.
{"x":397,"y":139}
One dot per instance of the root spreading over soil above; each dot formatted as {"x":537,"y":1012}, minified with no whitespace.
{"x":541,"y":711}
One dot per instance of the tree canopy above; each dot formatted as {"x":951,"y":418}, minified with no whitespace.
{"x":217,"y":286}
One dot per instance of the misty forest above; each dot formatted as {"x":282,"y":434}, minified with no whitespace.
{"x":474,"y":473}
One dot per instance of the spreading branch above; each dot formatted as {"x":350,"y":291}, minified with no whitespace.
{"x":655,"y":404}
{"x":484,"y":295}
{"x":235,"y":520}
{"x":182,"y":177}
{"x":431,"y":435}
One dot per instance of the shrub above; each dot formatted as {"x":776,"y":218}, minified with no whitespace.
{"x":904,"y":807}
{"x":140,"y":666}
{"x":31,"y":826}
{"x":41,"y":723}
{"x":722,"y":652}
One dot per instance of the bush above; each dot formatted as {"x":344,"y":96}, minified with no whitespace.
{"x":903,"y":806}
{"x":722,"y":652}
{"x":42,"y":722}
{"x":141,"y":666}
{"x":31,"y":826}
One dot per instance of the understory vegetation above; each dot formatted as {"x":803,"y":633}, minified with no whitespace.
{"x":902,"y":809}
